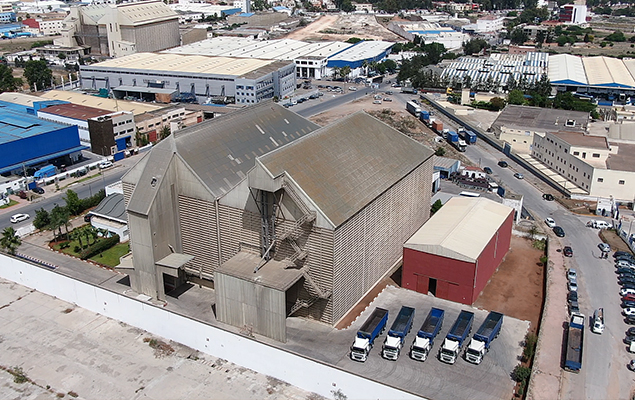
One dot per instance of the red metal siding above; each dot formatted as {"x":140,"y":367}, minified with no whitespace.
{"x":493,"y":255}
{"x":455,"y":279}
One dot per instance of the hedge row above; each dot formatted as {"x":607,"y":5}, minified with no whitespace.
{"x":98,"y":247}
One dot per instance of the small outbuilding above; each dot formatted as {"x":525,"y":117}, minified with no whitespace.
{"x":455,"y":253}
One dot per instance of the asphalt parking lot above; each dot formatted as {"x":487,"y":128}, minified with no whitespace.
{"x":432,"y":378}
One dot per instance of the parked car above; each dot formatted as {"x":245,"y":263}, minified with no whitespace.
{"x":518,"y":175}
{"x":551,"y":223}
{"x":625,"y":270}
{"x":624,"y":264}
{"x":488,"y":170}
{"x":629,"y":311}
{"x":376,"y":101}
{"x":572,"y":286}
{"x":631,"y":365}
{"x":567,"y":251}
{"x":38,"y":190}
{"x":352,"y":88}
{"x":628,"y":272}
{"x":15,"y":218}
{"x":574,"y":307}
{"x":630,"y":320}
{"x":572,"y":296}
{"x":572,"y":274}
{"x":87,"y":217}
{"x":629,"y":338}
{"x":630,"y":332}
{"x":105,"y":164}
{"x":388,"y":99}
{"x":548,"y":197}
{"x":626,"y":279}
{"x":628,"y":304}
{"x":558,"y":231}
{"x":626,"y":285}
{"x":630,"y":259}
{"x":621,"y":253}
{"x":625,"y":291}
{"x":604,"y":247}
{"x":503,"y":164}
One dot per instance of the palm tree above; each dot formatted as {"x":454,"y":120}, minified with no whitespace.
{"x":77,"y":235}
{"x":10,"y":241}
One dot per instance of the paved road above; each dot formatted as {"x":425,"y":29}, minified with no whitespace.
{"x":83,"y":190}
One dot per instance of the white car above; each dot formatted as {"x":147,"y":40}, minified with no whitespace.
{"x":624,"y":264}
{"x":105,"y":164}
{"x":550,"y":222}
{"x":19,"y":218}
{"x":604,"y":247}
{"x":629,"y":311}
{"x":624,"y":292}
{"x":572,"y":275}
{"x":572,"y":286}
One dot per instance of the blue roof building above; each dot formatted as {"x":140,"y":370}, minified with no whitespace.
{"x":26,"y":140}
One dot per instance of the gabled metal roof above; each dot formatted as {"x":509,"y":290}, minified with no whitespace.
{"x":221,"y":151}
{"x":346,"y":165}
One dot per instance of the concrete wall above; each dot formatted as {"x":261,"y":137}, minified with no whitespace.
{"x":286,"y":366}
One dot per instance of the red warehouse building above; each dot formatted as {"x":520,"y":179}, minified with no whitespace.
{"x":456,"y":252}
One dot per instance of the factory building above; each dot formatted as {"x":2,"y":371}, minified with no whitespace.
{"x":430,"y":32}
{"x":457,"y":251}
{"x":312,"y":60}
{"x":287,"y":219}
{"x":116,"y":30}
{"x":152,"y":76}
{"x":26,"y":140}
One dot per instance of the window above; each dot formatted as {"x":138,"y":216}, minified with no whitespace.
{"x":576,"y":153}
{"x":596,"y":155}
{"x":620,"y":182}
{"x":600,"y":179}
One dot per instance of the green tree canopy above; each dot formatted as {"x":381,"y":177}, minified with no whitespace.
{"x":38,"y":74}
{"x":10,"y":241}
{"x":474,"y":46}
{"x":617,"y":36}
{"x":516,"y":96}
{"x":42,"y":219}
{"x":73,"y":203}
{"x":8,"y":83}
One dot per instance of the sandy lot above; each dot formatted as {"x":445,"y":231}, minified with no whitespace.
{"x":343,"y":27}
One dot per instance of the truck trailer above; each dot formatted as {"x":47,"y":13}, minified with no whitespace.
{"x":451,"y":347}
{"x":367,"y":334}
{"x":413,"y":108}
{"x":486,"y":333}
{"x":469,"y":137}
{"x":397,"y":333}
{"x":575,"y":339}
{"x":425,"y":337}
{"x":437,"y":126}
{"x":454,"y":139}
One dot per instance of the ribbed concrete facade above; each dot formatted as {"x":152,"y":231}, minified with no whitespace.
{"x":153,"y":37}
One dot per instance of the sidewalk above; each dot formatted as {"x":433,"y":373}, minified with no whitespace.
{"x":546,"y":373}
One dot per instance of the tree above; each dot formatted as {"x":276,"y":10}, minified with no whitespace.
{"x":42,"y":219}
{"x":37,"y":74}
{"x":390,"y":65}
{"x":436,"y":207}
{"x":440,"y":152}
{"x":165,"y":132}
{"x":497,"y":103}
{"x":474,"y":46}
{"x":516,"y":96}
{"x":518,"y":36}
{"x":10,"y":241}
{"x":73,"y":203}
{"x":345,"y":71}
{"x":353,"y":40}
{"x":617,"y":36}
{"x":59,"y":218}
{"x":8,"y":83}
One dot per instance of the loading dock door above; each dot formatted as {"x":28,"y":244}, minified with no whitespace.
{"x":432,"y":287}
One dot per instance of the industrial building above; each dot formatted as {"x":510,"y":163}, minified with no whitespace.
{"x":150,"y":76}
{"x":457,"y":251}
{"x":493,"y":73}
{"x":116,"y":30}
{"x":312,"y":60}
{"x":106,"y":138}
{"x":287,"y":219}
{"x":588,"y":166}
{"x":606,"y":77}
{"x":430,"y":32}
{"x":26,"y":140}
{"x":517,"y":125}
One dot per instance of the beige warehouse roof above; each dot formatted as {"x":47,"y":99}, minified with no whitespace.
{"x":182,"y":63}
{"x":460,"y":229}
{"x":134,"y":107}
{"x":605,"y":70}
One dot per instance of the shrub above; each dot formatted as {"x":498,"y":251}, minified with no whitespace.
{"x":98,"y":247}
{"x":530,"y":346}
{"x":521,"y":374}
{"x":77,"y":249}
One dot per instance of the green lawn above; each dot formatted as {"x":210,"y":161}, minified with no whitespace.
{"x":11,"y":203}
{"x":111,"y":256}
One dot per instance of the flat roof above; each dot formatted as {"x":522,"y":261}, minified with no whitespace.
{"x":363,"y":50}
{"x":75,"y":111}
{"x":19,"y":98}
{"x":272,"y":274}
{"x":134,"y":107}
{"x":607,"y":71}
{"x":175,"y":260}
{"x":16,"y":126}
{"x":461,"y":229}
{"x":582,"y":140}
{"x":544,"y":119}
{"x":624,"y":160}
{"x":203,"y":65}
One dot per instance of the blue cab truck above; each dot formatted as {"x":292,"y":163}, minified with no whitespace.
{"x":575,"y":339}
{"x":451,"y":347}
{"x":45,"y":172}
{"x":456,"y":141}
{"x":482,"y":339}
{"x":469,"y":136}
{"x":397,"y":333}
{"x":367,"y":334}
{"x":425,"y":337}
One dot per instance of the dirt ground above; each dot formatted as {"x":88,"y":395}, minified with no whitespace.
{"x":517,"y":287}
{"x":343,"y":27}
{"x":613,"y":239}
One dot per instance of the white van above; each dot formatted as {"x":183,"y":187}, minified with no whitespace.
{"x":599,"y":224}
{"x":598,"y":321}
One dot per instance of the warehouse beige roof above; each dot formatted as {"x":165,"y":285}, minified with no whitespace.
{"x":606,"y":71}
{"x":185,"y":63}
{"x":346,"y":165}
{"x":461,"y":229}
{"x":134,"y":107}
{"x":20,"y":98}
{"x":145,"y":12}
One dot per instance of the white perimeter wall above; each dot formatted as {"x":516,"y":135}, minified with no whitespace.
{"x":298,"y":371}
